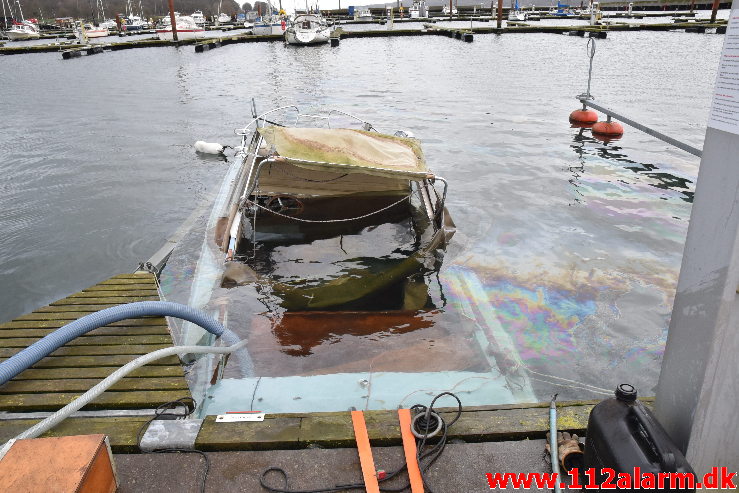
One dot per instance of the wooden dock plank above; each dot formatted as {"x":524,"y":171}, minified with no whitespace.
{"x":97,"y":361}
{"x":87,"y":340}
{"x":107,"y":299}
{"x":120,"y":287}
{"x":129,"y":349}
{"x":84,"y":384}
{"x":75,"y":308}
{"x":68,"y":315}
{"x":109,"y":400}
{"x":100,"y":373}
{"x":54,"y":324}
{"x":152,"y":331}
{"x":122,"y":432}
{"x":128,"y":293}
{"x":332,"y":430}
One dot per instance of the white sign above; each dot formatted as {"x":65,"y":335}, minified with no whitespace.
{"x":236,"y":417}
{"x":725,"y":106}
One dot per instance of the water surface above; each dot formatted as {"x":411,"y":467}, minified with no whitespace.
{"x":567,"y":251}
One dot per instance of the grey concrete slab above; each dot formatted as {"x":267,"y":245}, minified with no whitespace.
{"x":461,"y":468}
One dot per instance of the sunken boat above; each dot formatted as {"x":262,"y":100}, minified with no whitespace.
{"x":329,"y":217}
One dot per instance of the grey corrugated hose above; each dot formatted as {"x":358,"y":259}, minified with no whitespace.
{"x":40,"y":349}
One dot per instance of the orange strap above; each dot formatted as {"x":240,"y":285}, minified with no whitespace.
{"x":409,"y":447}
{"x":365,"y":453}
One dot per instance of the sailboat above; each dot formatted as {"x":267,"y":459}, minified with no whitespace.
{"x":516,"y":14}
{"x":20,"y":30}
{"x":308,"y":29}
{"x":270,"y":23}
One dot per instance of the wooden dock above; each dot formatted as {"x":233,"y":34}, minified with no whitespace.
{"x":73,"y":369}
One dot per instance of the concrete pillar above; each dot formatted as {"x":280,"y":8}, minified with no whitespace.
{"x":698,"y":391}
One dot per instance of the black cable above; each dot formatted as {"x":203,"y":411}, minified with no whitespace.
{"x":159,"y":413}
{"x":429,"y":421}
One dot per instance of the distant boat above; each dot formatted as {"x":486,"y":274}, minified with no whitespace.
{"x":445,"y":10}
{"x":91,"y":31}
{"x":419,"y":10}
{"x":135,"y":23}
{"x":515,"y":14}
{"x":364,"y":14}
{"x":223,"y":18}
{"x":186,"y":29}
{"x":307,"y":29}
{"x":23,"y":31}
{"x":271,"y":23}
{"x":199,"y":18}
{"x":562,"y":10}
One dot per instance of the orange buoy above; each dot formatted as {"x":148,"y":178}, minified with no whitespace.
{"x":583,"y":117}
{"x":608,"y":129}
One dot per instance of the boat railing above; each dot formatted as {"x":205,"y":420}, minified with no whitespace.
{"x":261,"y":118}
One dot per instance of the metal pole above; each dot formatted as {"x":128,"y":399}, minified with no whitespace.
{"x":696,"y":398}
{"x":450,"y":9}
{"x":173,"y":20}
{"x":650,"y":131}
{"x":715,"y":9}
{"x":500,"y":14}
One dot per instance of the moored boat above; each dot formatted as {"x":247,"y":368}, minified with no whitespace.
{"x":186,"y":29}
{"x":301,"y":186}
{"x":23,"y":31}
{"x":306,"y":29}
{"x":419,"y":10}
{"x":364,"y":14}
{"x":198,"y":18}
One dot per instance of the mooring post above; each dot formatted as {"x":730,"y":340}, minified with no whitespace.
{"x":500,"y":14}
{"x":715,"y":10}
{"x":173,"y":20}
{"x":697,"y":394}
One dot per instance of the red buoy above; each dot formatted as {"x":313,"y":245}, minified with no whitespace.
{"x":583,"y":117}
{"x":608,"y":129}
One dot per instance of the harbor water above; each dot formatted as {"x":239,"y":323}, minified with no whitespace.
{"x":567,"y":250}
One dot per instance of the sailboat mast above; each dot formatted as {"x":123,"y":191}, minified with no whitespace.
{"x":23,"y":19}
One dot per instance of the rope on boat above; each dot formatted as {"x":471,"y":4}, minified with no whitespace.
{"x":407,"y":197}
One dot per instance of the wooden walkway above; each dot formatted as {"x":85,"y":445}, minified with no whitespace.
{"x":71,"y":370}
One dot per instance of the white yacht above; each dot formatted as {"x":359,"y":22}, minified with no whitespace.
{"x":363,"y":14}
{"x":307,"y":29}
{"x":186,"y":29}
{"x":20,"y":32}
{"x":199,"y":18}
{"x":90,"y":31}
{"x":419,"y":10}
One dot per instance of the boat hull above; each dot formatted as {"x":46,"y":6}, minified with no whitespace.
{"x":21,"y":36}
{"x":166,"y":34}
{"x":97,"y":33}
{"x":294,"y":37}
{"x":272,"y":29}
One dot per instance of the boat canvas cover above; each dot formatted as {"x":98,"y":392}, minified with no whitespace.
{"x":349,"y":151}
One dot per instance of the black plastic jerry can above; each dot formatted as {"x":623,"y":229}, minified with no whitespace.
{"x":625,"y":439}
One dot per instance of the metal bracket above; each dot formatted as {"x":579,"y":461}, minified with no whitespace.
{"x":171,"y":434}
